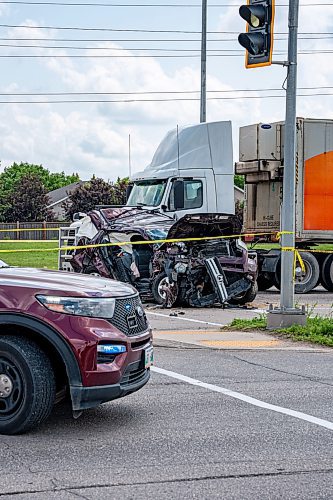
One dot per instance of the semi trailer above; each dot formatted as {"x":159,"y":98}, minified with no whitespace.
{"x":261,"y":161}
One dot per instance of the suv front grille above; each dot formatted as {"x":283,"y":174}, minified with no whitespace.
{"x":129,"y":316}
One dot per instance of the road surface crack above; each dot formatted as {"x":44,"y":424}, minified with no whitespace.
{"x":285,"y":372}
{"x":76,"y":489}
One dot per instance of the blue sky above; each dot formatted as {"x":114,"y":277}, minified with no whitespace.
{"x":93,"y":137}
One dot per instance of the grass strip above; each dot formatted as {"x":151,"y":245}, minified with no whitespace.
{"x":32,"y":258}
{"x":318,"y":330}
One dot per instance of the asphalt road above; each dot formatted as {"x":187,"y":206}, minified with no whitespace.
{"x":178,"y":439}
{"x":319,"y":301}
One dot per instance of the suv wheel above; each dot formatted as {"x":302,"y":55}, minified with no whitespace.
{"x":27,"y":385}
{"x":163,"y":292}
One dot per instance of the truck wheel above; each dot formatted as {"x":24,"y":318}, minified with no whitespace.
{"x":277,"y":274}
{"x":27,"y":385}
{"x":306,"y":281}
{"x":245,"y":297}
{"x":265,"y":281}
{"x":327,"y":273}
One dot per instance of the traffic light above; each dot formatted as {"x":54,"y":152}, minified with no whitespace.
{"x":258,"y":39}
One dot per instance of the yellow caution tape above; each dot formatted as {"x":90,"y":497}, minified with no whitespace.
{"x":152,"y":242}
{"x":281,"y":233}
{"x":297,"y":257}
{"x":143,"y":242}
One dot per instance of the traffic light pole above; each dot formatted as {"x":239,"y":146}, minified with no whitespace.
{"x":287,"y":315}
{"x":288,"y":206}
{"x":203,"y":62}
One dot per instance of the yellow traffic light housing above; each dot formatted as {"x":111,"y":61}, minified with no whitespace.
{"x":258,"y":39}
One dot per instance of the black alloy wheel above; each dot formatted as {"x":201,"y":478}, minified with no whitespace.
{"x":27,"y":385}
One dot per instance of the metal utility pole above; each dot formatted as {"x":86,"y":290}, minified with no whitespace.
{"x":288,"y":206}
{"x":287,"y":315}
{"x":203,"y":62}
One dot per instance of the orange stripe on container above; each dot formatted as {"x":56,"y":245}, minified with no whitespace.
{"x":318,"y":192}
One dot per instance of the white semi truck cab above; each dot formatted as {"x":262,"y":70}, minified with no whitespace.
{"x":191,"y":172}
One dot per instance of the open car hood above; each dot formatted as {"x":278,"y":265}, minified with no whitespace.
{"x":201,"y":225}
{"x":149,"y":224}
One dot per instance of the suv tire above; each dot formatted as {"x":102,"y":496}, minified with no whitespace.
{"x":27,"y":385}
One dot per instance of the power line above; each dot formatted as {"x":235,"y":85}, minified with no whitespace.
{"x":112,"y":39}
{"x":143,"y":40}
{"x":162,"y":40}
{"x":150,"y":92}
{"x":74,"y":28}
{"x":98,"y":56}
{"x":99,"y":4}
{"x":136,"y":49}
{"x":95,"y":101}
{"x":138,"y":56}
{"x":112,"y":48}
{"x":117,"y":30}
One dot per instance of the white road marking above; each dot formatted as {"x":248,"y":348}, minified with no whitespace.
{"x":246,"y":399}
{"x":185,"y":319}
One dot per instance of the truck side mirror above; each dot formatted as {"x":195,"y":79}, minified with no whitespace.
{"x":179,"y":199}
{"x":128,"y":191}
{"x":78,"y":216}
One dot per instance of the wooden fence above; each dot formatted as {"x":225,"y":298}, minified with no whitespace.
{"x":31,"y":230}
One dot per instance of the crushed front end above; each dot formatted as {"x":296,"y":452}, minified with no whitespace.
{"x":213,"y":268}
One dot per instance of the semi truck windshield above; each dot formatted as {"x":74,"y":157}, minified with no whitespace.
{"x":148,"y":193}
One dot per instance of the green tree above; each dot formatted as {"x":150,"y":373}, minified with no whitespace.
{"x":13,"y":174}
{"x":28,"y":202}
{"x":95,"y":192}
{"x":239,"y":181}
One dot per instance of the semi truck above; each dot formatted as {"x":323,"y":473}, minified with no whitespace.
{"x":261,"y":161}
{"x":191,"y":172}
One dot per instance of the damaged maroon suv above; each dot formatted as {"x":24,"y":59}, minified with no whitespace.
{"x":67,"y":335}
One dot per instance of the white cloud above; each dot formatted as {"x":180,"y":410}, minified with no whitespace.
{"x":93,"y":138}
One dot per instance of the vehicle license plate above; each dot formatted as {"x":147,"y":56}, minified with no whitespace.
{"x":149,"y":356}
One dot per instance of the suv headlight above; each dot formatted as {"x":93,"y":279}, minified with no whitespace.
{"x":180,"y":267}
{"x":79,"y":306}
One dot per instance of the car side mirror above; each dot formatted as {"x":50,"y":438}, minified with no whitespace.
{"x":179,"y":199}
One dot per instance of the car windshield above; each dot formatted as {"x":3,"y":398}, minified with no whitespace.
{"x":147,"y":193}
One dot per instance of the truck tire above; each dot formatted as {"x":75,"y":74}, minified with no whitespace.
{"x":245,"y":297}
{"x":265,"y":281}
{"x":327,"y":273}
{"x":27,"y":385}
{"x":305,"y":282}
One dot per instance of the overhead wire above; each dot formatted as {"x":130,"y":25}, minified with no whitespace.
{"x":136,"y":30}
{"x":143,"y":56}
{"x":149,"y":5}
{"x":105,"y":101}
{"x":162,"y":40}
{"x":149,"y":92}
